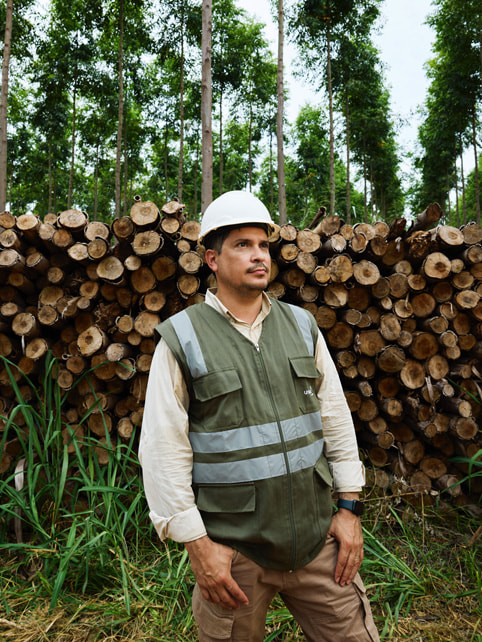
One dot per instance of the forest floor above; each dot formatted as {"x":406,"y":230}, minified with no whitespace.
{"x":422,"y":571}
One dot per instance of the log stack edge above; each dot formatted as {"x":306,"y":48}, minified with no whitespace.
{"x":399,"y":305}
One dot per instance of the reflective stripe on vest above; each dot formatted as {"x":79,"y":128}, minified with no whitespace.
{"x":304,"y":326}
{"x":265,"y":467}
{"x":189,"y":342}
{"x":258,"y":436}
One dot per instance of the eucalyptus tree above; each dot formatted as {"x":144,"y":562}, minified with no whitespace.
{"x":280,"y":117}
{"x":3,"y":104}
{"x":125,"y":40}
{"x":206,"y":106}
{"x":355,"y":74}
{"x":177,"y":48}
{"x":255,"y":99}
{"x":311,"y":172}
{"x":12,"y":21}
{"x":454,"y":96}
{"x":228,"y":50}
{"x":318,"y":26}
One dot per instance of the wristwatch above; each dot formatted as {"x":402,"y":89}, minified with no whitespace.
{"x":352,"y":504}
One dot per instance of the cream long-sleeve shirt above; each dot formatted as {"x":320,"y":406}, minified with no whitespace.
{"x":165,"y":451}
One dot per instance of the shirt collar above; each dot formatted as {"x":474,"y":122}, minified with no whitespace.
{"x":214,"y":302}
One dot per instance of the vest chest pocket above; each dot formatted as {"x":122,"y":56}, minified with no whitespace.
{"x":305,"y":375}
{"x":217,"y":403}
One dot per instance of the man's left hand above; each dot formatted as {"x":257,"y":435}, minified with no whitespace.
{"x":346,"y":528}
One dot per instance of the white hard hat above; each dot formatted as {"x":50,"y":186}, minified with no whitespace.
{"x":235,"y":208}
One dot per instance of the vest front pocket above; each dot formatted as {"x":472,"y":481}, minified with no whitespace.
{"x":217,"y":403}
{"x":305,"y":375}
{"x":228,"y":511}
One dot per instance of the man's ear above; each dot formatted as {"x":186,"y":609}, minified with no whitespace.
{"x":210,"y":257}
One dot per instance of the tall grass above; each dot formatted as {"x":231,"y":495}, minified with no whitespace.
{"x":74,"y":512}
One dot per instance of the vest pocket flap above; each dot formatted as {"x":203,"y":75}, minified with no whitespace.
{"x":215,"y":384}
{"x":304,"y":367}
{"x":226,"y":499}
{"x":323,"y":470}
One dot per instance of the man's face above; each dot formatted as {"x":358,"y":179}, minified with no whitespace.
{"x":244,"y":263}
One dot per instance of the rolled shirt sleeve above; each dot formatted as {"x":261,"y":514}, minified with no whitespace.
{"x":165,"y":451}
{"x":341,"y":448}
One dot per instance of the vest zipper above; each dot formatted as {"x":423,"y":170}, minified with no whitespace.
{"x":285,"y":454}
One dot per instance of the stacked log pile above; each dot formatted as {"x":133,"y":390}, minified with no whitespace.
{"x":400,"y":307}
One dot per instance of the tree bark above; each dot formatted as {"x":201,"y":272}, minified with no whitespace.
{"x":4,"y":104}
{"x":206,"y":107}
{"x":280,"y":118}
{"x":120,"y":116}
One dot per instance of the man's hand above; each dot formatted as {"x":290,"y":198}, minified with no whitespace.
{"x":211,"y":564}
{"x":346,"y":528}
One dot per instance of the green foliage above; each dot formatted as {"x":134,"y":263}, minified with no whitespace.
{"x":453,"y":97}
{"x":74,"y":511}
{"x":63,"y":106}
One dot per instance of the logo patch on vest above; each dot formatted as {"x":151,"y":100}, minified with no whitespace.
{"x":308,"y":392}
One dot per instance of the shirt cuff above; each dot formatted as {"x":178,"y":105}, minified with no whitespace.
{"x":348,"y":476}
{"x":181,"y":527}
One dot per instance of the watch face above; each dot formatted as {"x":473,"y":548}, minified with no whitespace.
{"x":358,"y":508}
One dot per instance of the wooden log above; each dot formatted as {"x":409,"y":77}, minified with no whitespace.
{"x":423,"y":346}
{"x":147,"y":243}
{"x":366,"y":273}
{"x":335,"y":295}
{"x":436,"y":266}
{"x":91,"y":341}
{"x":391,"y":359}
{"x":428,"y":217}
{"x":423,"y":304}
{"x":288,"y":232}
{"x":334,"y":244}
{"x":325,"y":317}
{"x":110,"y":269}
{"x":145,"y":214}
{"x":340,"y":336}
{"x":308,"y":241}
{"x":340,"y":268}
{"x":412,"y":375}
{"x":287,"y":253}
{"x":390,"y":327}
{"x":328,"y":226}
{"x":306,"y":262}
{"x":369,"y":342}
{"x":123,"y":228}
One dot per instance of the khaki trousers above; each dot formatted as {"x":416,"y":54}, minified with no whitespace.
{"x":326,"y":611}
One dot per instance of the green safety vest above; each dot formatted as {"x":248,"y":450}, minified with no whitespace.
{"x":260,"y":478}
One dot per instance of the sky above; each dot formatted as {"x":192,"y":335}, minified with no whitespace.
{"x":404,"y":42}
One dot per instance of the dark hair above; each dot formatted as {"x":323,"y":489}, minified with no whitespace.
{"x":215,"y":239}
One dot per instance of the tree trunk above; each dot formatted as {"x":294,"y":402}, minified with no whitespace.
{"x":279,"y":119}
{"x":72,"y":145}
{"x":330,"y":108}
{"x":206,"y":107}
{"x":96,"y":182}
{"x":464,"y":206}
{"x":347,"y":119}
{"x":49,"y":206}
{"x":3,"y":105}
{"x":221,"y":158}
{"x":120,"y":113}
{"x":181,"y":110}
{"x":476,"y":170}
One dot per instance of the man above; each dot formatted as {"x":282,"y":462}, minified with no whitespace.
{"x":245,"y":424}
